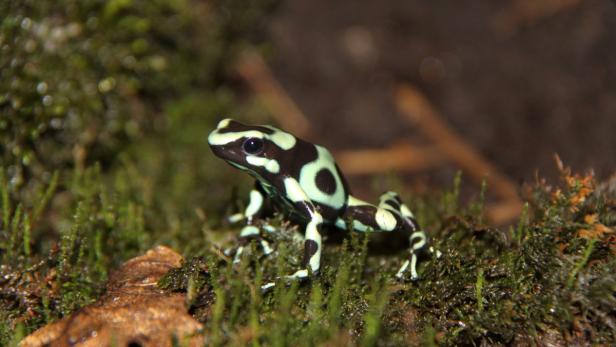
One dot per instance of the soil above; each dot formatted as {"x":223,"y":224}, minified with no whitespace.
{"x":518,"y":80}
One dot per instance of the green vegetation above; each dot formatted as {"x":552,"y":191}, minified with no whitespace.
{"x":548,"y":277}
{"x":105,"y":107}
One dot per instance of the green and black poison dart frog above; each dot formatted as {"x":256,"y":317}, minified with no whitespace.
{"x":304,"y":179}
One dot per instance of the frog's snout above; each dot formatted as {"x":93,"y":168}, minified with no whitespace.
{"x":211,"y":137}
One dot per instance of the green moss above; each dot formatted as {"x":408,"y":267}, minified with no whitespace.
{"x":551,"y":273}
{"x":490,"y":286}
{"x":96,"y":102}
{"x":83,"y":79}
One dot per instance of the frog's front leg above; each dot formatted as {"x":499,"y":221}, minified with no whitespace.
{"x":312,"y":238}
{"x":251,"y":231}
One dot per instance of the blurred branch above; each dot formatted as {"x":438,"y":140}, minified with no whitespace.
{"x":417,"y":110}
{"x":257,"y":74}
{"x":521,"y":13}
{"x":400,"y":156}
{"x":504,"y":211}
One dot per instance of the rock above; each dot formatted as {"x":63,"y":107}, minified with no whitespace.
{"x":132,"y":312}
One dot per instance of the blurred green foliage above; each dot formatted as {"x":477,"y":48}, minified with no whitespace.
{"x":105,"y":107}
{"x":79,"y":80}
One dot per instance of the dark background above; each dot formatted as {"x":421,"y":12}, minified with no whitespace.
{"x":518,"y":80}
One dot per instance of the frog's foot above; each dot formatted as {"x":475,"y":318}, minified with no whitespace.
{"x":267,"y":287}
{"x":404,"y":268}
{"x":299,"y":275}
{"x":269,"y":228}
{"x":248,"y":233}
{"x":265,"y":246}
{"x":236,"y":218}
{"x":418,"y":241}
{"x":436,"y":252}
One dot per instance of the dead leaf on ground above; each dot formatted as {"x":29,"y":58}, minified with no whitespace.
{"x":133,"y":311}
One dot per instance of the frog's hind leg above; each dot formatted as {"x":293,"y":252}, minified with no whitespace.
{"x":390,"y":215}
{"x":418,"y":238}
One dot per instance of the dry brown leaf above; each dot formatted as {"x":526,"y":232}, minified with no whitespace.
{"x":133,"y":310}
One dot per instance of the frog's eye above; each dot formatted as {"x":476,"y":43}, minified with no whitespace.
{"x":253,"y":145}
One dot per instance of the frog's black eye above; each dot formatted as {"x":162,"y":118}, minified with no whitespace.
{"x":253,"y":145}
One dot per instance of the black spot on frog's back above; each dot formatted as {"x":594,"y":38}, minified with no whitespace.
{"x":325,"y":181}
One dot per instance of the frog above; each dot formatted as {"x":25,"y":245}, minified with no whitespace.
{"x":303,"y":180}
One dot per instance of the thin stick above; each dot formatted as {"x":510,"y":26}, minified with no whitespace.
{"x":416,"y":109}
{"x":397,"y":157}
{"x":504,"y":211}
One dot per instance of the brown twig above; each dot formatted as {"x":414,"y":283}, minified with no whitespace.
{"x":257,"y":74}
{"x":504,"y":211}
{"x":400,"y":156}
{"x":416,"y":108}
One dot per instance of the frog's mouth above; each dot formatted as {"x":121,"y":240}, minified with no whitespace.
{"x":238,"y":166}
{"x":244,"y":168}
{"x":229,"y":152}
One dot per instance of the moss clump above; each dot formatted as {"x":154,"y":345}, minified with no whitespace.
{"x":41,"y":282}
{"x":82,"y":79}
{"x":548,"y":277}
{"x":527,"y":283}
{"x":96,"y":101}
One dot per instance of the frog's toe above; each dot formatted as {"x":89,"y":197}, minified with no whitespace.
{"x":437,"y":253}
{"x":229,"y":251}
{"x":403,"y":268}
{"x":269,"y":228}
{"x":236,"y":218}
{"x":267,"y":287}
{"x":299,"y":274}
{"x":238,"y":255}
{"x":267,"y":250}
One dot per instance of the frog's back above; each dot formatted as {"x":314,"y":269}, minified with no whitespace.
{"x":321,"y":179}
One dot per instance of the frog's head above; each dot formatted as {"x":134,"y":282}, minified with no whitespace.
{"x":251,"y":148}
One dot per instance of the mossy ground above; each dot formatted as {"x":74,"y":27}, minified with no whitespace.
{"x":89,"y":180}
{"x":548,"y":277}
